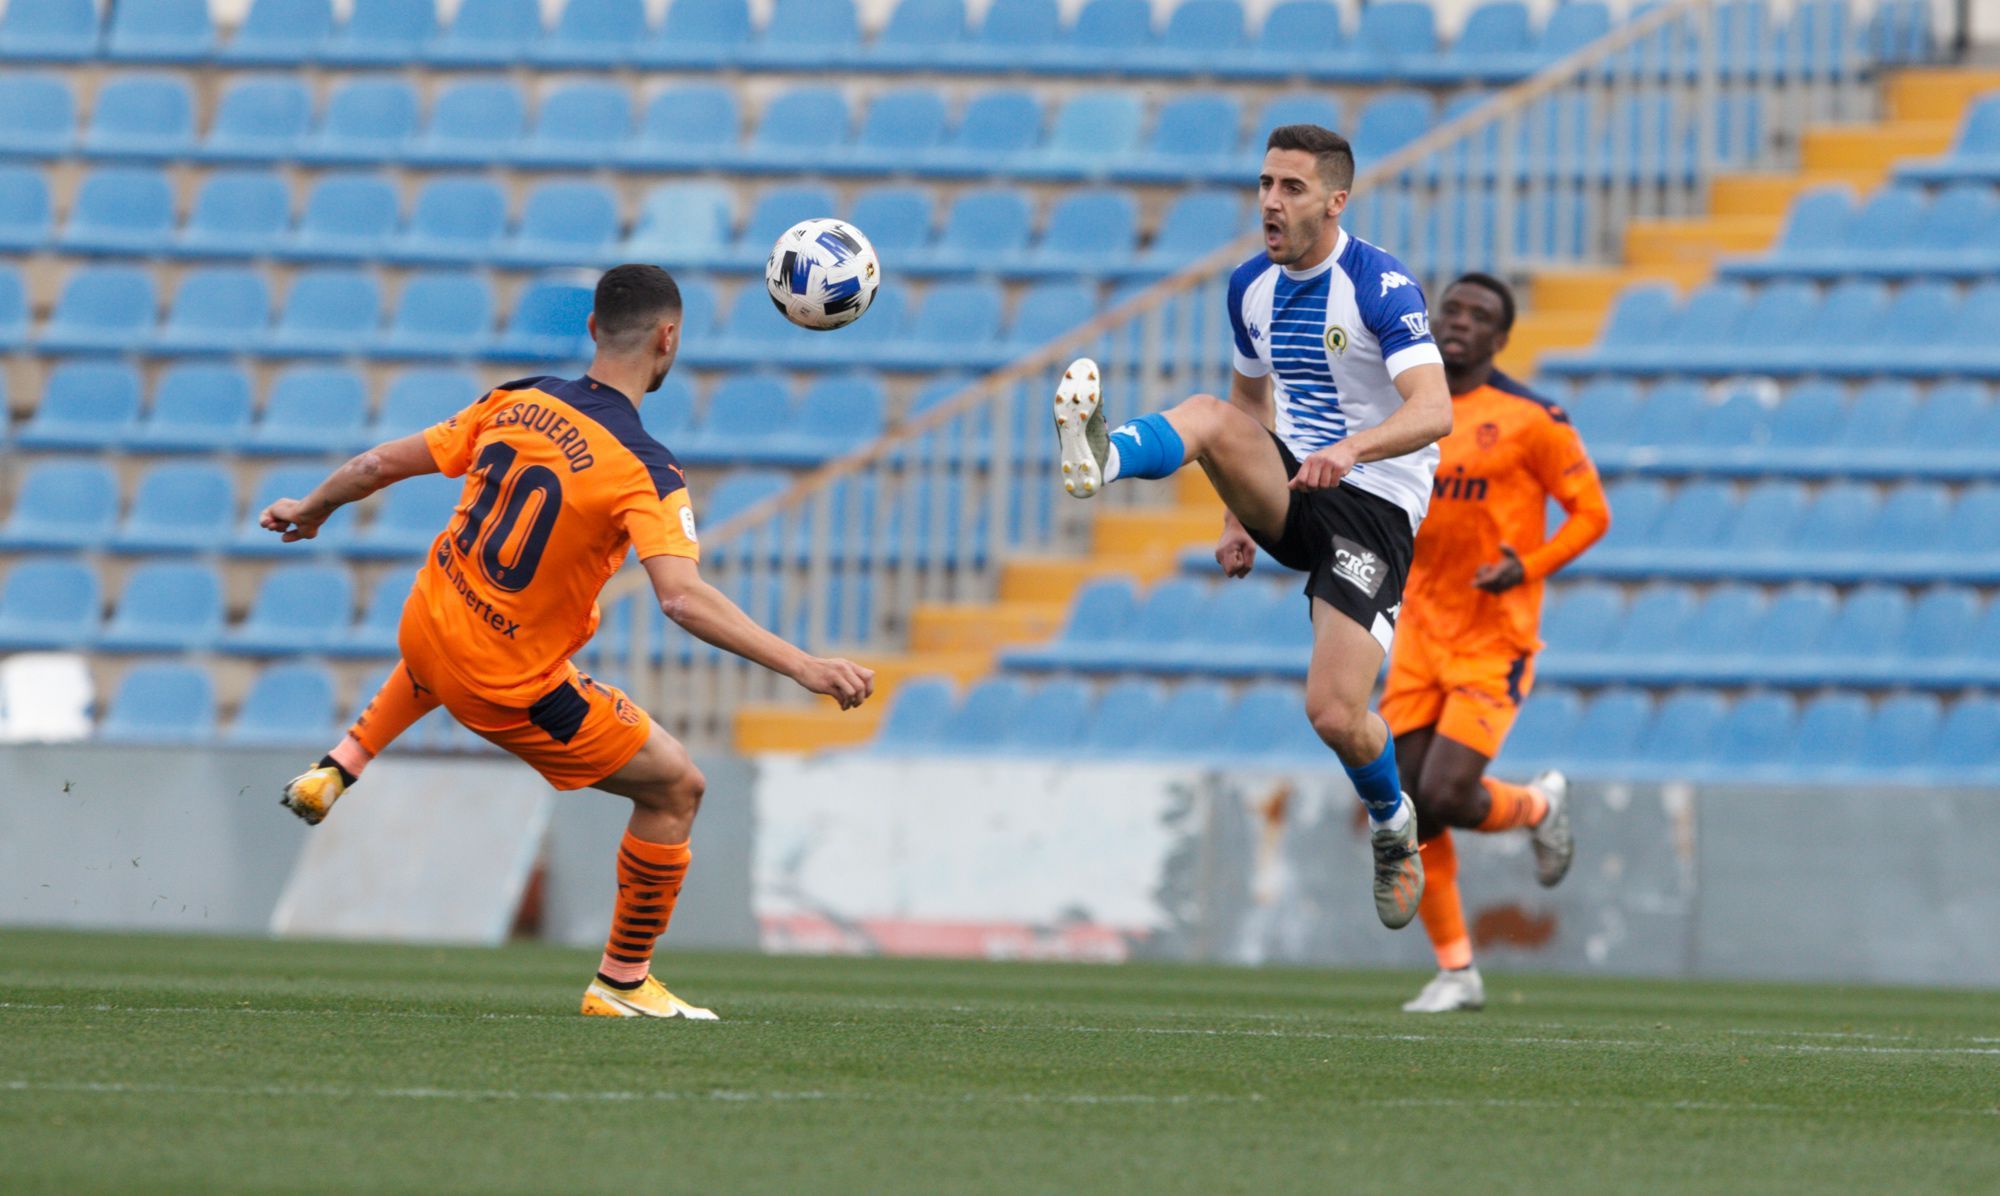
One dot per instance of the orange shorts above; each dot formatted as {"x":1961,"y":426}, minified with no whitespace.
{"x":1470,"y":697}
{"x":576,"y":735}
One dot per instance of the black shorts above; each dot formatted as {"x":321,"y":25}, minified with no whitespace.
{"x":1353,"y":547}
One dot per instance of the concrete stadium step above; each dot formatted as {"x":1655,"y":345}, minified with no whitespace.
{"x":1940,"y":94}
{"x":1872,"y":147}
{"x":1702,"y":240}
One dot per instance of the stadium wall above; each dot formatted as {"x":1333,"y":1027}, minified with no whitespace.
{"x":1020,"y":859}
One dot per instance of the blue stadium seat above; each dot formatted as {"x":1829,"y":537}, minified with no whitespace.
{"x":838,"y":414}
{"x":917,"y":33}
{"x":48,"y":31}
{"x":1191,"y":723}
{"x":1605,"y":740}
{"x":1092,"y":136}
{"x":668,"y":413}
{"x":167,"y":606}
{"x":183,"y":507}
{"x":1803,"y":430}
{"x":592,"y":34}
{"x":454,"y":220}
{"x":119,"y":210}
{"x":685,"y":127}
{"x":902,"y":128}
{"x":1295,"y":37}
{"x":1392,"y":119}
{"x":699,"y":33}
{"x":563,"y":223}
{"x":439,"y":315}
{"x":1815,"y":231}
{"x":197,"y":407}
{"x":983,"y":224}
{"x":237,"y":213}
{"x":806,"y":35}
{"x":1752,"y":740}
{"x":472,"y":123}
{"x":1051,"y":720}
{"x":1859,"y":647}
{"x":382,"y":33}
{"x":1684,"y":717}
{"x":1105,"y":31}
{"x":896,"y":218}
{"x":1087,"y":233}
{"x":1048,"y":310}
{"x":958,"y":323}
{"x":330,"y":312}
{"x":1195,"y":223}
{"x":159,"y":31}
{"x":1127,"y":712}
{"x":346,"y":217}
{"x":85,"y":405}
{"x":1901,"y":735}
{"x":1543,"y":732}
{"x":298,"y":608}
{"x":916,"y":716}
{"x":1269,"y":725}
{"x":260,"y":118}
{"x":49,"y":603}
{"x":1963,"y":753}
{"x":1826,"y":743}
{"x":312,"y":409}
{"x":161,"y":703}
{"x":288,"y":481}
{"x":280,"y":33}
{"x":740,"y":491}
{"x":579,"y":125}
{"x":744,"y":411}
{"x":366,"y":120}
{"x":218,"y":309}
{"x":698,"y":305}
{"x":1012,"y":31}
{"x":288,"y":704}
{"x":1604,"y":413}
{"x":1494,"y":46}
{"x":420,"y":397}
{"x":375,"y":634}
{"x":100,"y":309}
{"x":1099,"y":615}
{"x":486,"y":33}
{"x":27,"y":220}
{"x":141,"y":116}
{"x":1391,"y":40}
{"x":1580,"y":623}
{"x":1975,"y":153}
{"x":802,"y":125}
{"x":1956,"y":236}
{"x":996,"y":133}
{"x":981,"y":721}
{"x":41,"y":115}
{"x":776,"y":210}
{"x":682,"y":223}
{"x":1194,"y":137}
{"x":547,"y":324}
{"x":1637,"y":505}
{"x":1197,"y":33}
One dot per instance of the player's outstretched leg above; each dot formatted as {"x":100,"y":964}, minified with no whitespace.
{"x":393,"y":710}
{"x":653,"y":856}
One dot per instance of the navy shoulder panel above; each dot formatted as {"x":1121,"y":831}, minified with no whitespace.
{"x":616,"y":415}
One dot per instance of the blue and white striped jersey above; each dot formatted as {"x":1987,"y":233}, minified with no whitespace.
{"x":1335,"y":337}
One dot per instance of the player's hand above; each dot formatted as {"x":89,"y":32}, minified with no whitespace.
{"x":842,"y":680}
{"x":1502,"y":575}
{"x":1325,"y":467}
{"x":288,"y":517}
{"x":1236,"y":552}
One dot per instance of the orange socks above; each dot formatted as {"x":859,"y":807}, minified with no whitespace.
{"x":1514,"y":806}
{"x":1442,"y":912}
{"x":649,"y":879}
{"x":393,"y":710}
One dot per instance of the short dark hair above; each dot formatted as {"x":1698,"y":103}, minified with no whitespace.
{"x":632,"y":298}
{"x":1501,"y":289}
{"x":1330,"y":151}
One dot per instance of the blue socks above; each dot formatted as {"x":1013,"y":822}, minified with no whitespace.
{"x":1380,"y":788}
{"x":1147,"y":447}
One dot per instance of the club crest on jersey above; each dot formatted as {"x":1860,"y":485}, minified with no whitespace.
{"x":1488,"y":435}
{"x":1394,"y":279}
{"x":1336,"y":340}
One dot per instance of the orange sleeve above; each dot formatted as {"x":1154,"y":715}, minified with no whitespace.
{"x":658,"y":524}
{"x":451,"y":442}
{"x":1565,"y":470}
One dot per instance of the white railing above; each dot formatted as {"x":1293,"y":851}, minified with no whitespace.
{"x":1550,"y":171}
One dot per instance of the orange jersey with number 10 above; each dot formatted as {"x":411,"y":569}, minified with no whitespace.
{"x":560,"y":480}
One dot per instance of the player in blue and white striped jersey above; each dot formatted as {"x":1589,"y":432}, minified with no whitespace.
{"x":1324,"y":454}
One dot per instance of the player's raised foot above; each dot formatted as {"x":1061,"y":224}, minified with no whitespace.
{"x":650,"y":999}
{"x":312,"y":793}
{"x":1399,"y":873}
{"x":1553,"y":842}
{"x":1452,"y":990}
{"x":1080,"y":429}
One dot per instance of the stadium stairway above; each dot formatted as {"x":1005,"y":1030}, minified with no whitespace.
{"x":1565,"y":309}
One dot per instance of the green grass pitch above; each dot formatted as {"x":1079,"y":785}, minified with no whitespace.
{"x":137,"y":1064}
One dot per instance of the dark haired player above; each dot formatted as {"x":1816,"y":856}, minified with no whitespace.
{"x":1323,"y":453}
{"x":561,"y":481}
{"x":1464,"y":660}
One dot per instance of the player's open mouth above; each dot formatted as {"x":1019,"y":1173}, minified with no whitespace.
{"x":1273,"y":232}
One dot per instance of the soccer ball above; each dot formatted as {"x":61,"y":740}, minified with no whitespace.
{"x":822,"y":274}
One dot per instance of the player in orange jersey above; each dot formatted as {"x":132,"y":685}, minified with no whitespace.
{"x":561,"y":481}
{"x":1465,"y":645}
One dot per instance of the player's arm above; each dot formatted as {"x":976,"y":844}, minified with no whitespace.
{"x":1236,"y":552}
{"x":362,"y":475}
{"x":1557,"y":459}
{"x":708,"y":614}
{"x":1424,"y":418}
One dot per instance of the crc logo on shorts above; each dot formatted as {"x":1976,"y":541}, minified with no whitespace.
{"x":1357,"y":566}
{"x":1336,"y":340}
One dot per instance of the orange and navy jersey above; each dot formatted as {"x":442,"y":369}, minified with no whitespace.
{"x":1509,"y":452}
{"x":560,"y":480}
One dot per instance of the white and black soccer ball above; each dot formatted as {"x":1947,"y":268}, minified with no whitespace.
{"x":822,"y":274}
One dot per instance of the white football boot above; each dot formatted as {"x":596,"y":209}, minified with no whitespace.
{"x":1449,"y":991}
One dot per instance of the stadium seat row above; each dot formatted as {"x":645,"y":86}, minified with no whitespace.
{"x":1877,"y":636}
{"x":1759,"y":736}
{"x":1924,"y":329}
{"x":456,"y":220}
{"x":1904,"y":230}
{"x":337,"y":312}
{"x":1808,"y":429}
{"x":1974,"y":155}
{"x":317,"y":410}
{"x":590,"y":126}
{"x":1200,"y":37}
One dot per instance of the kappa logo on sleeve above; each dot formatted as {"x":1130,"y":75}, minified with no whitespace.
{"x":1394,"y":279}
{"x":1357,"y":566}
